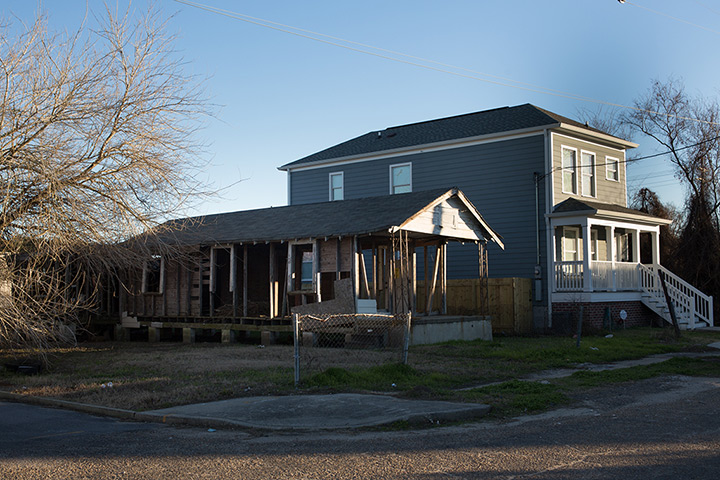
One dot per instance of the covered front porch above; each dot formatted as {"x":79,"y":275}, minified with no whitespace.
{"x":606,"y":253}
{"x":596,"y":249}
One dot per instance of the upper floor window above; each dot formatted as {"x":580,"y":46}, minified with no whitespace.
{"x":336,"y":186}
{"x":612,"y":169}
{"x":401,"y":178}
{"x":587,"y":170}
{"x":569,"y":169}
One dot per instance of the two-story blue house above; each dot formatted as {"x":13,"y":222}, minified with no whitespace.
{"x":554,"y":188}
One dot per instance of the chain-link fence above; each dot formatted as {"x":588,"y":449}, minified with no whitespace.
{"x":348,"y":340}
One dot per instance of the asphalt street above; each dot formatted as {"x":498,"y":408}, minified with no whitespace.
{"x":661,"y":428}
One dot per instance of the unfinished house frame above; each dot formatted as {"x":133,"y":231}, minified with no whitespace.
{"x":249,"y":270}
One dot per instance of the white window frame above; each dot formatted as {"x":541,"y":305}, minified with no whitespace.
{"x":616,"y":163}
{"x":397,"y":165}
{"x":574,"y":185}
{"x":161,"y":283}
{"x":578,"y":244}
{"x":593,"y":182}
{"x":342,"y":185}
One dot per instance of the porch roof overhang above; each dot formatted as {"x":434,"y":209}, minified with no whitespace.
{"x":573,"y":209}
{"x":444,"y":213}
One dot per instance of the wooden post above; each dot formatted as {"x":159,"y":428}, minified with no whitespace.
{"x":413,"y":307}
{"x":436,"y":268}
{"x":363,"y":275}
{"x":374,"y":271}
{"x":212,"y":281}
{"x":427,"y":279}
{"x":245,"y":280}
{"x":355,"y":271}
{"x":233,"y":279}
{"x":188,"y":288}
{"x":316,"y":270}
{"x":338,"y":258}
{"x":443,"y":279}
{"x":288,"y":279}
{"x":273,"y":282}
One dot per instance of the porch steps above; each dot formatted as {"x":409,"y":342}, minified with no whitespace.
{"x":693,"y":309}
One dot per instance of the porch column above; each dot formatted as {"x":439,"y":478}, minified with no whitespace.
{"x":612,"y":253}
{"x":636,"y":253}
{"x":655,"y":247}
{"x":636,"y":246}
{"x":586,"y":257}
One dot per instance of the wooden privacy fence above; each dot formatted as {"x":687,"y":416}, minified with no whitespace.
{"x":509,"y":300}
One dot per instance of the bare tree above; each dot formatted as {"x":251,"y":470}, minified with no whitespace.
{"x":97,"y":144}
{"x":689,"y":129}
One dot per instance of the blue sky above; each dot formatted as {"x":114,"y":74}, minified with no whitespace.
{"x":284,"y":97}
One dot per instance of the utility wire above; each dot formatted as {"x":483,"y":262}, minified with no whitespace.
{"x":519,"y":85}
{"x":672,"y":17}
{"x":635,"y":159}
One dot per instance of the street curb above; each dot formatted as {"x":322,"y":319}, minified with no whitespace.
{"x":213,"y":422}
{"x":122,"y":414}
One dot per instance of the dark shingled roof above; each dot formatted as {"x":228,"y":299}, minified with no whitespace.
{"x":315,"y":220}
{"x":498,"y":120}
{"x":575,"y":205}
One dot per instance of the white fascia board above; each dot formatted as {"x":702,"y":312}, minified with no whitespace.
{"x":415,"y":149}
{"x":600,"y":136}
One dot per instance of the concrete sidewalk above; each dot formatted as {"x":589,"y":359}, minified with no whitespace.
{"x":325,"y":412}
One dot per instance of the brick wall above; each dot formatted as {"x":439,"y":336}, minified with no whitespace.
{"x":638,"y":315}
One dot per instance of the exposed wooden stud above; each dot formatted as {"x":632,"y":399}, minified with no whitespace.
{"x":427,"y":279}
{"x":363,"y":275}
{"x":436,"y":268}
{"x":288,"y":279}
{"x":355,"y":271}
{"x":338,"y":259}
{"x":374,"y":270}
{"x":273,"y":282}
{"x":413,"y":292}
{"x":188,"y":300}
{"x":178,"y":286}
{"x":233,"y":280}
{"x":316,"y":270}
{"x":245,"y":280}
{"x":443,"y":279}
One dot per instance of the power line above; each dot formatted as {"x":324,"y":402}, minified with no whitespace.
{"x":672,"y":17}
{"x":308,"y":34}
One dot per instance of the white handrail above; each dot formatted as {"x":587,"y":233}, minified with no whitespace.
{"x":690,"y":303}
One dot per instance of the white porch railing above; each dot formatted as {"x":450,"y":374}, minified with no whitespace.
{"x":569,"y":276}
{"x":692,"y":307}
{"x":606,"y":276}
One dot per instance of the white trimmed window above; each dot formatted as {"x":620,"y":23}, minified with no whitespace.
{"x":337,"y":186}
{"x":154,"y":275}
{"x":587,"y":172}
{"x":571,"y":244}
{"x":401,"y":178}
{"x":569,"y":170}
{"x":612,"y":169}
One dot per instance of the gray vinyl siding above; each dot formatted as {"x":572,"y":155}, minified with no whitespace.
{"x":497,"y":177}
{"x":606,"y":191}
